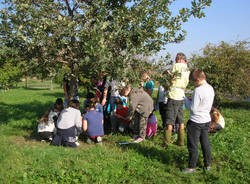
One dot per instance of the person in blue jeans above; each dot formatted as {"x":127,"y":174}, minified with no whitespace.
{"x":199,"y":120}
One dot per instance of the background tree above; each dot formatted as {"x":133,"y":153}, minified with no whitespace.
{"x":227,"y":67}
{"x":97,"y":35}
{"x":10,"y":69}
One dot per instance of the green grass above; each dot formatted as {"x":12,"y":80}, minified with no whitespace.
{"x":23,"y":159}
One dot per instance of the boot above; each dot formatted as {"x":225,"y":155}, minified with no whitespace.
{"x":167,"y":137}
{"x":180,"y":139}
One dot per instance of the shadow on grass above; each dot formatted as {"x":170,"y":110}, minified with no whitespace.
{"x":23,"y":117}
{"x":235,"y":105}
{"x":55,"y":94}
{"x":25,"y":113}
{"x":169,"y":156}
{"x":61,"y":94}
{"x":33,"y":136}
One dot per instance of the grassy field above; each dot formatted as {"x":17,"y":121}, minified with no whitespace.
{"x":24,"y":159}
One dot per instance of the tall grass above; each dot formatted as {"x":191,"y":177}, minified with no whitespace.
{"x":24,"y":159}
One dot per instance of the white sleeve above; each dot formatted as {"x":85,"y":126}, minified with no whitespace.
{"x":78,"y":119}
{"x":195,"y":102}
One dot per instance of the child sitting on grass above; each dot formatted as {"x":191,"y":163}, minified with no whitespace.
{"x":68,"y":124}
{"x":93,"y":122}
{"x":217,"y":121}
{"x":46,"y":125}
{"x":89,"y":96}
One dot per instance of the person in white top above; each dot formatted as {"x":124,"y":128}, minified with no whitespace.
{"x":199,"y":120}
{"x":68,"y":124}
{"x":46,"y":125}
{"x":217,"y":121}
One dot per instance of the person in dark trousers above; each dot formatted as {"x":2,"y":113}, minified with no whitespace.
{"x":199,"y":120}
{"x":141,"y":106}
{"x":69,"y":125}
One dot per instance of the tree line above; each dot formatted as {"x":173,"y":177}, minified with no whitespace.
{"x":47,"y":38}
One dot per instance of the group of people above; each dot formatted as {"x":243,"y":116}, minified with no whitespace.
{"x":108,"y":109}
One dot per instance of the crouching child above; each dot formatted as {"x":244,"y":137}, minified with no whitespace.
{"x":69,"y":124}
{"x":217,"y":121}
{"x":46,"y":125}
{"x":118,"y":119}
{"x":93,"y":122}
{"x":141,"y":106}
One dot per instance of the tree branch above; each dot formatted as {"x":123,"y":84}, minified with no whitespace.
{"x":69,"y":9}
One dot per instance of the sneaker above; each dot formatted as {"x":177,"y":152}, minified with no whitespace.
{"x":77,"y":144}
{"x":138,"y":140}
{"x":76,"y":138}
{"x":188,"y":171}
{"x":134,"y":137}
{"x":43,"y":140}
{"x":121,"y":129}
{"x":151,"y":135}
{"x":207,"y":168}
{"x":89,"y":141}
{"x":99,"y":139}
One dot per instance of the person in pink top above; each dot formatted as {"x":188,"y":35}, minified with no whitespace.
{"x":151,"y":126}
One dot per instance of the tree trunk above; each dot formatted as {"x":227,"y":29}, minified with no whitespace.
{"x":51,"y":84}
{"x":26,"y":81}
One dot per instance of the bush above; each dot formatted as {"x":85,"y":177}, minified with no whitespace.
{"x":227,"y":68}
{"x":9,"y":75}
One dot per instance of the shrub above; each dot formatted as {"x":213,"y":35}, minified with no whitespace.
{"x":9,"y":75}
{"x":227,"y":67}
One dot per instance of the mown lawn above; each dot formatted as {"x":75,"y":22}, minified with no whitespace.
{"x":24,"y":159}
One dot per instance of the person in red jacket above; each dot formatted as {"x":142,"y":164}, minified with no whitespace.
{"x":118,"y":119}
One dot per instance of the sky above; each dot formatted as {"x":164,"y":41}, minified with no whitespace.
{"x":226,"y":20}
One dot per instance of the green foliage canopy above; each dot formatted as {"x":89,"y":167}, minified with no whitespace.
{"x":10,"y":69}
{"x":97,"y":35}
{"x":227,"y":67}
